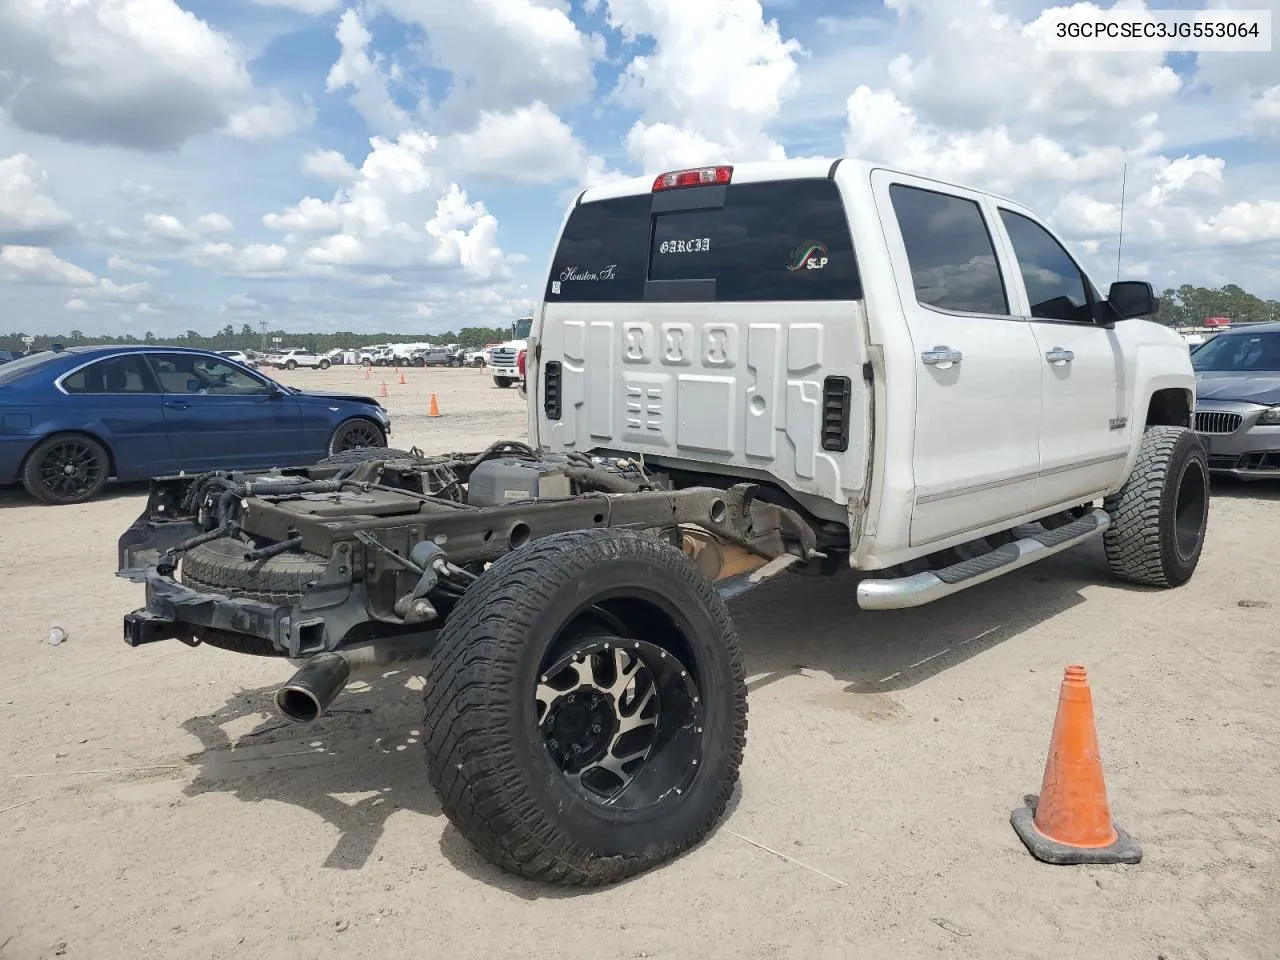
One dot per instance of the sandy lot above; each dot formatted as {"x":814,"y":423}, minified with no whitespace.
{"x":153,"y":805}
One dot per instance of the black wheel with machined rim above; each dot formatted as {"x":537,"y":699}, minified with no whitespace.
{"x":67,"y":468}
{"x":356,"y":433}
{"x":586,"y":708}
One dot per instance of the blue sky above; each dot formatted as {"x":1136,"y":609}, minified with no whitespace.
{"x":403,"y":165}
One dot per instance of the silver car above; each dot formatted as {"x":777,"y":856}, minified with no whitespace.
{"x":1238,"y":401}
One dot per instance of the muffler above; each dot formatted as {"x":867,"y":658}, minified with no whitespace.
{"x":311,"y":690}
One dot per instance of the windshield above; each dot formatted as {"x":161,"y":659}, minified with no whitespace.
{"x":19,"y":368}
{"x":520,"y":329}
{"x":1239,"y":352}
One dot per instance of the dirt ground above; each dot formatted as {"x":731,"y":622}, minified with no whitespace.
{"x":153,"y":805}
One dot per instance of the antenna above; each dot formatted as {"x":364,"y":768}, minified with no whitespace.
{"x":1124,"y":177}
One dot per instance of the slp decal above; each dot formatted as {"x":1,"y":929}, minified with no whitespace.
{"x":808,"y":256}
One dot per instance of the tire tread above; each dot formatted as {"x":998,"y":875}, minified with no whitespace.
{"x":470,"y":760}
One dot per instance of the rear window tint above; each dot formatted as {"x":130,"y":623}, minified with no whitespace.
{"x":602,"y":257}
{"x":780,"y":241}
{"x":785,"y":240}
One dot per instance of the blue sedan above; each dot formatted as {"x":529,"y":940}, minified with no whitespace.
{"x":72,"y":419}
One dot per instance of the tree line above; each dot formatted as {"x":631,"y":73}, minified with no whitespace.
{"x":1187,"y":306}
{"x":246,"y":338}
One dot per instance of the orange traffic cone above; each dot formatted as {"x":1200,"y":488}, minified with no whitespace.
{"x":366,"y":373}
{"x":383,"y":392}
{"x":1070,"y":821}
{"x":435,"y":407}
{"x":402,"y":376}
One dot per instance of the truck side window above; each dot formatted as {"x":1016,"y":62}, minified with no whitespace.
{"x":1055,"y":285}
{"x":952,"y":257}
{"x":603,"y":254}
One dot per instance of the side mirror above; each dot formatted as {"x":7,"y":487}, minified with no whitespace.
{"x":1132,"y":298}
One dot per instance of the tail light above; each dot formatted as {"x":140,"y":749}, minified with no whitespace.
{"x":520,"y":362}
{"x":696,"y":177}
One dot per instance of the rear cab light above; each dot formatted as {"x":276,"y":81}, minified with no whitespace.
{"x":520,"y":362}
{"x":693,"y":177}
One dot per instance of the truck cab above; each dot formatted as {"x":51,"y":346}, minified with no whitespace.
{"x":917,"y":364}
{"x":505,"y":359}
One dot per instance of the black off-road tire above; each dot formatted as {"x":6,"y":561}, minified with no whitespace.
{"x":503,"y":382}
{"x":1159,"y":517}
{"x":220,"y":566}
{"x":365,"y":454}
{"x":486,"y":756}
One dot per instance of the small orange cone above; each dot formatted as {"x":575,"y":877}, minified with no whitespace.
{"x":383,"y":392}
{"x":366,"y":373}
{"x":402,"y":376}
{"x":435,"y":407}
{"x":1070,"y":821}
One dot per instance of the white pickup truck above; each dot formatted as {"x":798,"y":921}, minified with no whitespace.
{"x":922,"y":368}
{"x":828,"y":367}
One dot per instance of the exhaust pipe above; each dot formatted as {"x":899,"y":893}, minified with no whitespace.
{"x":311,"y":690}
{"x":320,"y":678}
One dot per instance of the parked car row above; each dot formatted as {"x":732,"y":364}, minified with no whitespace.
{"x":72,"y":420}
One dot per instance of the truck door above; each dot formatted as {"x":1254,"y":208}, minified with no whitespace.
{"x":976,"y":450}
{"x":715,"y":327}
{"x":1084,"y":431}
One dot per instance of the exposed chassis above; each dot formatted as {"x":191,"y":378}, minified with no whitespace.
{"x":369,"y":567}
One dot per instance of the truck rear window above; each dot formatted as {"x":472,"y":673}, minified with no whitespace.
{"x":783,"y":240}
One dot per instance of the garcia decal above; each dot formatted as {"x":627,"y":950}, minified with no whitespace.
{"x":810,"y":255}
{"x":694,"y":245}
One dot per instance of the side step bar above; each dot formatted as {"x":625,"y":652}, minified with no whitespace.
{"x":1035,"y":543}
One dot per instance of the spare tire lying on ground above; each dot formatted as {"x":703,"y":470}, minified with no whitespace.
{"x":586,"y":708}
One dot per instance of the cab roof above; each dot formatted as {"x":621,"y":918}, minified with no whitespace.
{"x":759,"y":171}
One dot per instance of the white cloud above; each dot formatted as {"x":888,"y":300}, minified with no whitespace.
{"x":982,"y":62}
{"x":213,"y":223}
{"x":330,"y":166}
{"x":255,"y":258}
{"x":125,"y":265}
{"x":312,"y":8}
{"x":360,"y":69}
{"x":525,"y":145}
{"x":40,"y":266}
{"x":400,"y":212}
{"x":1265,"y":109}
{"x":21,"y":264}
{"x":167,"y":228}
{"x":717,"y":77}
{"x":504,"y":53}
{"x":277,"y":117}
{"x":138,"y":73}
{"x":28,"y":211}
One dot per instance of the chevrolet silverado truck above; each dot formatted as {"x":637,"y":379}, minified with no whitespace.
{"x":816,"y":367}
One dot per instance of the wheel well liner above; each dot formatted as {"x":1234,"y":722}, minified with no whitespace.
{"x":1170,"y":407}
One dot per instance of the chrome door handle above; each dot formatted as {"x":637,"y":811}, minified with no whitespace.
{"x":1059,"y":355}
{"x":941,"y":355}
